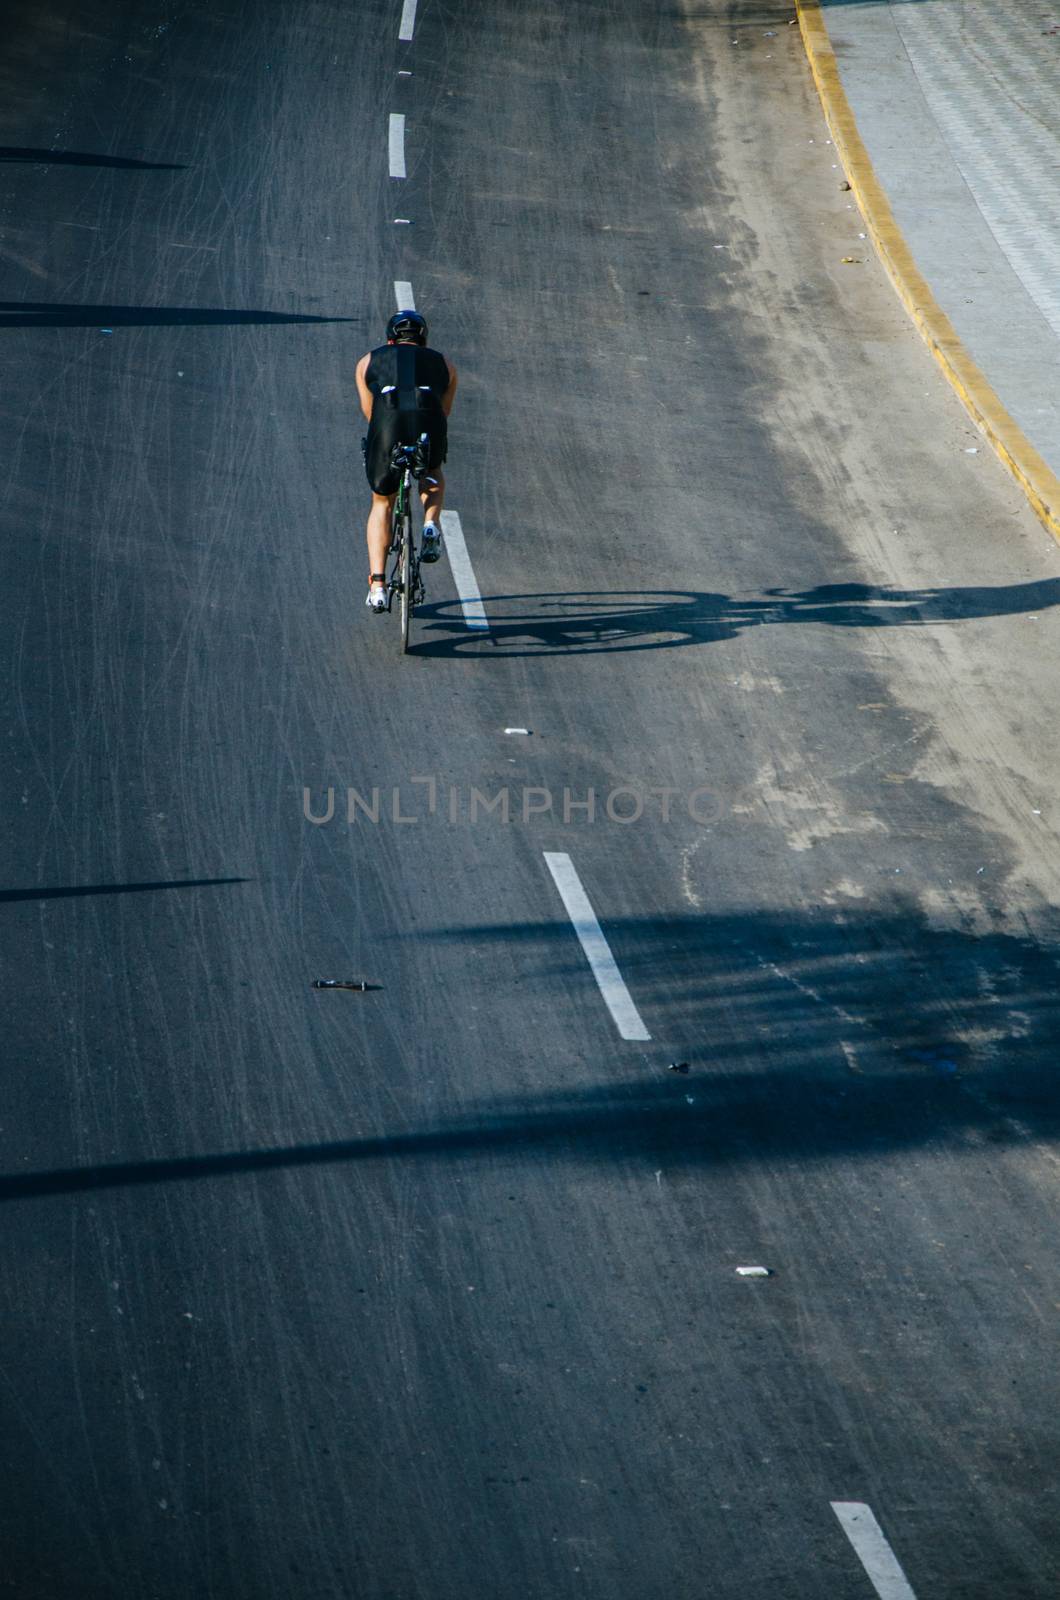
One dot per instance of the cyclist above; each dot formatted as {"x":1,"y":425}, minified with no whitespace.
{"x":405,"y":389}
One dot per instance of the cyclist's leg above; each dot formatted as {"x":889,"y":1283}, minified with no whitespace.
{"x":433,"y":424}
{"x":432,"y":494}
{"x":383,"y":482}
{"x":432,"y":490}
{"x":379,"y":518}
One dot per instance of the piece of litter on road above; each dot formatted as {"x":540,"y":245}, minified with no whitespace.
{"x":357,"y":984}
{"x":851,"y":261}
{"x":861,"y":236}
{"x":1036,"y":812}
{"x":517,"y":730}
{"x":690,"y":1099}
{"x":971,"y":449}
{"x":403,"y":222}
{"x":844,"y":185}
{"x":678,"y":1066}
{"x":978,"y":870}
{"x":106,"y":330}
{"x":753,"y":1272}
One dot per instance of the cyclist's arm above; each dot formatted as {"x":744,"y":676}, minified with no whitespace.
{"x":450,"y":394}
{"x":362,"y":387}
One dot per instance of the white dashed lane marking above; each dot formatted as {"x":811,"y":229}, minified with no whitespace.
{"x":397,"y":145}
{"x":617,"y":998}
{"x":408,"y":21}
{"x":873,"y":1551}
{"x":463,"y":574}
{"x":403,"y":296}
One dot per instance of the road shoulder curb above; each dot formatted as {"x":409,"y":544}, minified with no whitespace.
{"x":1037,"y":480}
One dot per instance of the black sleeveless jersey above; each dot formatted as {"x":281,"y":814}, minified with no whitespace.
{"x":408,"y":377}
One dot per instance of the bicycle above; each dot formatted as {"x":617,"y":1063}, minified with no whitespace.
{"x":410,"y":460}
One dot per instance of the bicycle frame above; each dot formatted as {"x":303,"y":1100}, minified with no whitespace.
{"x":405,"y":580}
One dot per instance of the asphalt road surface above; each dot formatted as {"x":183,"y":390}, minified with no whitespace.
{"x":430,"y":1292}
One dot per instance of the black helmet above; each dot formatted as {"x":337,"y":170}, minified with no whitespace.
{"x":406,"y":327}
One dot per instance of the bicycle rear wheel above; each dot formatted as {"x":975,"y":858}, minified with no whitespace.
{"x":405,"y":578}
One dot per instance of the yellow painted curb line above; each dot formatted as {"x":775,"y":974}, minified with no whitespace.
{"x":1038,"y":482}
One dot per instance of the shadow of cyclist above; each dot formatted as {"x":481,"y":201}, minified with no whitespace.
{"x":620,"y":620}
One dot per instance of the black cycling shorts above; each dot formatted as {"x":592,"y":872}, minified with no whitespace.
{"x":388,"y":428}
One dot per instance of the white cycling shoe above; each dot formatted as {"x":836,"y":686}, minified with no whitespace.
{"x":431,"y":545}
{"x":376,"y":598}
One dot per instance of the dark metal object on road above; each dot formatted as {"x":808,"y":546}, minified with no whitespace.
{"x":678,"y":1066}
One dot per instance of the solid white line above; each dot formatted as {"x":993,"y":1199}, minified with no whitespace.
{"x":408,"y":20}
{"x":463,"y":575}
{"x":617,"y":997}
{"x":397,"y":145}
{"x":873,"y":1551}
{"x":403,"y":296}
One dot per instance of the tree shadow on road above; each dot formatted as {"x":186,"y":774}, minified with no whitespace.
{"x":79,"y":890}
{"x":35,"y":314}
{"x":26,"y":155}
{"x":819,"y":1037}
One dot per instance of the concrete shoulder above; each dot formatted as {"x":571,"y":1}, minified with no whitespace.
{"x":962,"y":265}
